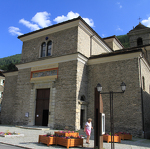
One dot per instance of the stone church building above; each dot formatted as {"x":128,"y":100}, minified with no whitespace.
{"x":60,"y":68}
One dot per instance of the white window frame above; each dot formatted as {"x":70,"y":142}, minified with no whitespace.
{"x":103,"y":123}
{"x":46,"y":49}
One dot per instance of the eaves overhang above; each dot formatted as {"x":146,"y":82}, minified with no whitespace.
{"x":114,"y":56}
{"x":62,"y":26}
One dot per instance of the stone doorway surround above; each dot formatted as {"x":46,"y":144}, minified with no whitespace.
{"x":83,"y":106}
{"x":41,"y":84}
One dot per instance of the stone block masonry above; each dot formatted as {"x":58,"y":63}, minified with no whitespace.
{"x":63,"y":43}
{"x":146,"y":97}
{"x":9,"y":100}
{"x":23,"y":96}
{"x":65,"y":98}
{"x":127,"y":106}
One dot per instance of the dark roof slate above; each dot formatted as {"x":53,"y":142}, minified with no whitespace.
{"x":139,"y":26}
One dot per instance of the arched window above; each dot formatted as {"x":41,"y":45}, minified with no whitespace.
{"x":139,"y":41}
{"x":82,"y":98}
{"x":49,"y":48}
{"x":43,"y":49}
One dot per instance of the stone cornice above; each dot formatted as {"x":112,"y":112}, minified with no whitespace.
{"x":14,"y":73}
{"x":66,"y":58}
{"x":49,"y":30}
{"x":83,"y":102}
{"x":66,"y":25}
{"x":114,"y":58}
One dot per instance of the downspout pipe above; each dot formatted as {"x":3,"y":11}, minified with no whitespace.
{"x":143,"y":125}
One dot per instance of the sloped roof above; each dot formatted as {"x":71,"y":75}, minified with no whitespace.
{"x":139,"y":26}
{"x":117,"y":52}
{"x":114,"y":36}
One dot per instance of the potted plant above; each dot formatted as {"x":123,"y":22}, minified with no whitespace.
{"x":67,"y":133}
{"x":124,"y":135}
{"x":70,"y":141}
{"x":48,"y":139}
{"x":107,"y":138}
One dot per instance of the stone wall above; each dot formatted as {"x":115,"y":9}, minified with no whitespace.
{"x":96,"y":48}
{"x":65,"y":97}
{"x":145,"y":72}
{"x":83,"y":42}
{"x":87,"y":45}
{"x":22,"y":103}
{"x":63,"y":43}
{"x":127,"y":106}
{"x":9,"y":99}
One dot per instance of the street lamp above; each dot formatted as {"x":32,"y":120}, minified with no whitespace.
{"x":99,"y":89}
{"x":123,"y":87}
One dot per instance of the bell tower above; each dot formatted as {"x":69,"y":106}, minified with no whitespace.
{"x":139,"y":35}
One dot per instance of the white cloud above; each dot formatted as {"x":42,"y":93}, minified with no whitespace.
{"x":89,"y":21}
{"x":32,"y":26}
{"x":146,"y":22}
{"x":72,"y":15}
{"x":119,"y":29}
{"x":14,"y":31}
{"x":118,"y":3}
{"x":103,"y":35}
{"x":42,"y":19}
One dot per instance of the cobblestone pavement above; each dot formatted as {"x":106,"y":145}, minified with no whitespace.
{"x":30,"y":140}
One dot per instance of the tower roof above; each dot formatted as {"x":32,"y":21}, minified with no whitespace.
{"x":139,"y":26}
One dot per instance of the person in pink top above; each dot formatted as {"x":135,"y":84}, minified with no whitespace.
{"x":87,"y":129}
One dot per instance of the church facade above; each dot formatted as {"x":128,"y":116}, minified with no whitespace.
{"x":60,"y":68}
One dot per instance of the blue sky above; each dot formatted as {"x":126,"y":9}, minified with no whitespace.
{"x":106,"y":17}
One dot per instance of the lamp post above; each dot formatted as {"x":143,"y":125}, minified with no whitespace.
{"x":99,"y":89}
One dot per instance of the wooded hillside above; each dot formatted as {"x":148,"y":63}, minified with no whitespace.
{"x":8,"y":63}
{"x":124,"y":39}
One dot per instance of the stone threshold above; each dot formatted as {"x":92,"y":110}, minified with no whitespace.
{"x":34,"y":127}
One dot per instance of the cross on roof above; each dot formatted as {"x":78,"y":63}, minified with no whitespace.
{"x":139,"y":19}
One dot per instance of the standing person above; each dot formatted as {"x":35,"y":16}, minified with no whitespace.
{"x":87,"y":129}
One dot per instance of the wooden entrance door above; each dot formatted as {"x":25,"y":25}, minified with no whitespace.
{"x":82,"y":118}
{"x":42,"y":107}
